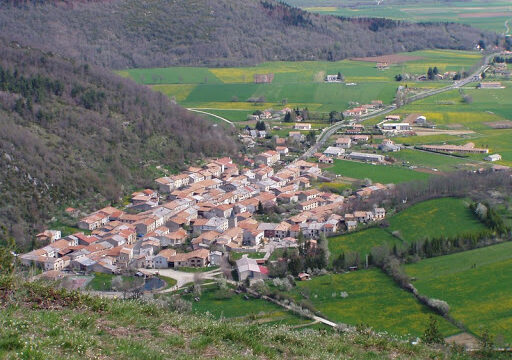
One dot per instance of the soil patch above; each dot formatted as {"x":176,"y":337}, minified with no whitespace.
{"x":484,"y":14}
{"x":411,"y":118}
{"x":455,"y":126}
{"x":503,"y":124}
{"x":443,"y":132}
{"x":390,"y":59}
{"x":464,"y":339}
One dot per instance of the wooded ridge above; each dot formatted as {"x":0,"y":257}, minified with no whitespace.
{"x":74,"y":132}
{"x":130,"y":33}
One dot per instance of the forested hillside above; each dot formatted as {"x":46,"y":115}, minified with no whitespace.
{"x":133,"y":33}
{"x":74,"y":132}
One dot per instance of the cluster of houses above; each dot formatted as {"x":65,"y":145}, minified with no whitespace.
{"x":390,"y":125}
{"x":269,"y":114}
{"x":343,"y":143}
{"x":211,"y":209}
{"x":499,"y":69}
{"x":363,"y":109}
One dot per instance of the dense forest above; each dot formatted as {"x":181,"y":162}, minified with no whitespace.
{"x":74,"y":134}
{"x":133,"y":33}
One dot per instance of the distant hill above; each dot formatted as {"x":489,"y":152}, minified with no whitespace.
{"x":133,"y":33}
{"x":71,"y":133}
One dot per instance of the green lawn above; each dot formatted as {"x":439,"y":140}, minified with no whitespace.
{"x":103,"y":282}
{"x":439,"y":217}
{"x":170,"y":282}
{"x":477,"y":285}
{"x":237,"y":308}
{"x":373,"y":299}
{"x":385,"y":174}
{"x":428,"y":159}
{"x":360,"y":241}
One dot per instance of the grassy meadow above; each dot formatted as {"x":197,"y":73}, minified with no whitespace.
{"x":373,"y":300}
{"x":236,"y":308}
{"x":385,"y":174}
{"x":427,"y":159}
{"x":433,"y":218}
{"x":476,"y":284}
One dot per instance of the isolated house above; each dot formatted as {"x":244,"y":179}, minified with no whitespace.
{"x":366,"y":157}
{"x":334,"y":151}
{"x":302,"y":126}
{"x":249,"y":269}
{"x":493,"y":157}
{"x":396,"y":126}
{"x":343,"y":142}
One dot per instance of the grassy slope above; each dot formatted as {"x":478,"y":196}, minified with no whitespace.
{"x":433,"y":218}
{"x":373,"y":299}
{"x":62,"y":327}
{"x":479,"y":296}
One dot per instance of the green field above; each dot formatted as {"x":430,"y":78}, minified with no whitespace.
{"x":373,"y":299}
{"x":487,"y":15}
{"x":385,"y":174}
{"x":237,"y":308}
{"x":103,"y":282}
{"x":427,"y":159}
{"x":299,"y":83}
{"x":477,"y":285}
{"x":439,"y":217}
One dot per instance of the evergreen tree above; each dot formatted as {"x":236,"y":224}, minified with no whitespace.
{"x":432,"y":334}
{"x":430,"y":74}
{"x":260,"y":208}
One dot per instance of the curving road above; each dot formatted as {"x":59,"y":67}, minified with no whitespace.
{"x":216,"y":116}
{"x":331,"y":130}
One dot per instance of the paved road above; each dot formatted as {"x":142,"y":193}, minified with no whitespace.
{"x":207,"y":113}
{"x":331,"y":130}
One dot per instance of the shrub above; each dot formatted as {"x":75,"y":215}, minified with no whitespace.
{"x":432,"y":335}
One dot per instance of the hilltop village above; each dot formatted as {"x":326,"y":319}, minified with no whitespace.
{"x":271,"y":200}
{"x":198,"y":216}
